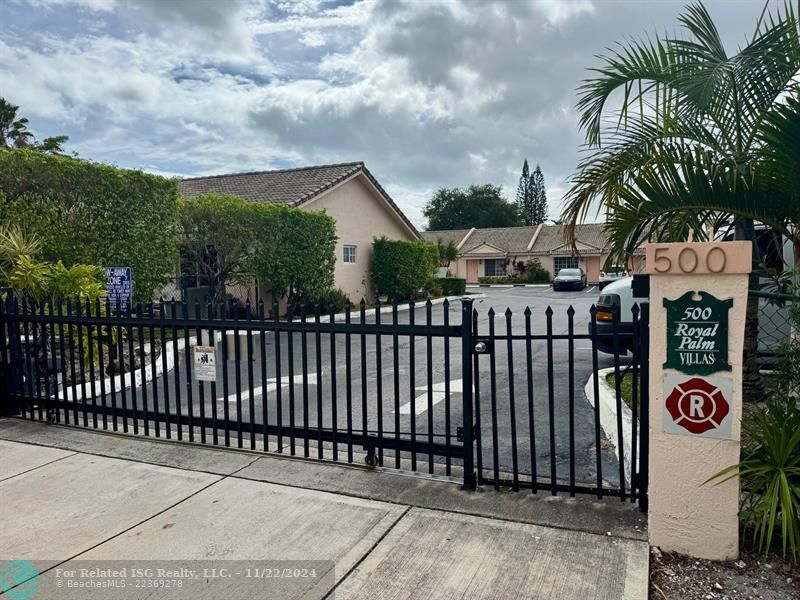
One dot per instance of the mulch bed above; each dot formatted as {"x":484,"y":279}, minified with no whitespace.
{"x":676,"y":577}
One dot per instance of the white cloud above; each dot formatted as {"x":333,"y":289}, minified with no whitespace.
{"x":429,"y":94}
{"x":313,"y":39}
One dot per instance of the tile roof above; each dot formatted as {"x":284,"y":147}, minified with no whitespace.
{"x":515,"y":240}
{"x":456,"y":235}
{"x":552,"y":237}
{"x":286,"y":186}
{"x":511,"y":239}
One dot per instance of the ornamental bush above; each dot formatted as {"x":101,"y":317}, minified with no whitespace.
{"x":85,"y":212}
{"x":294,"y":251}
{"x":216,"y":238}
{"x":401,"y":268}
{"x":225,"y":239}
{"x":452,"y":286}
{"x":534,"y":272}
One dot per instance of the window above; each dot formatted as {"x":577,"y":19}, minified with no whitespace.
{"x":349,"y":254}
{"x":564,"y":262}
{"x":494,"y":267}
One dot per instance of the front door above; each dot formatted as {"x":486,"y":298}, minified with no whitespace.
{"x":472,"y":271}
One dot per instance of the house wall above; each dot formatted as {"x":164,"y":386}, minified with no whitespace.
{"x":592,"y":265}
{"x":361,"y":215}
{"x":592,"y":268}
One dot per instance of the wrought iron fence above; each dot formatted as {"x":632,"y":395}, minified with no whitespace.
{"x":444,"y":390}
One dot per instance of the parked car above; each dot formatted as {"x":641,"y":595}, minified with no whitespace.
{"x":614,"y":273}
{"x":569,"y":279}
{"x":615,"y":302}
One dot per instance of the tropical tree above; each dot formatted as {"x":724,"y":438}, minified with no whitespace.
{"x":14,"y":132}
{"x":699,"y":141}
{"x":525,"y":198}
{"x":475,"y":206}
{"x":448,"y":252}
{"x":539,"y":208}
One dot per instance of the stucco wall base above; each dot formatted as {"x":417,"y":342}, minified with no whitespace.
{"x":686,"y":514}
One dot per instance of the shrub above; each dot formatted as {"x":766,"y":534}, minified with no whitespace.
{"x":216,"y":239}
{"x":534,"y":272}
{"x":334,"y":301}
{"x":769,"y":471}
{"x":225,"y":239}
{"x":448,"y":252}
{"x":770,"y":475}
{"x":500,"y":279}
{"x":452,"y":286}
{"x":530,"y":272}
{"x":84,"y":212}
{"x":400,"y":268}
{"x":294,"y":251}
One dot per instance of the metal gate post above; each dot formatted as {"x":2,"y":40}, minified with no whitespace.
{"x":644,"y":405}
{"x":13,"y":356}
{"x":466,"y":395}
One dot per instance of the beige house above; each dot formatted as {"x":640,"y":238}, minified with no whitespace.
{"x":347,"y":192}
{"x":496,"y":251}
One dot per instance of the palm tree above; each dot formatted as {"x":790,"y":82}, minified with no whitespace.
{"x":691,"y":149}
{"x":13,"y":130}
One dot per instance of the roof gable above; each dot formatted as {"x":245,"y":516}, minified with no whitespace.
{"x":484,"y":248}
{"x":590,"y":238}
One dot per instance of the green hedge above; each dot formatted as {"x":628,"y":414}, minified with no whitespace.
{"x":224,"y":238}
{"x":295,"y":251}
{"x":91,"y":213}
{"x":452,"y":286}
{"x":400,"y":268}
{"x":530,"y":272}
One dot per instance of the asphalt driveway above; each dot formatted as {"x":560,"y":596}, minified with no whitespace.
{"x":421,"y":396}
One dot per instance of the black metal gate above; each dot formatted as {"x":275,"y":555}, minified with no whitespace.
{"x":542,"y":415}
{"x":446,"y":390}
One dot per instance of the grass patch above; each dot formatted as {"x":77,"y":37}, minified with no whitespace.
{"x":625,"y":387}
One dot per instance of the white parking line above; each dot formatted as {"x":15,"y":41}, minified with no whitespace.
{"x":438,"y":393}
{"x":591,"y":289}
{"x":271,"y":387}
{"x":421,"y":403}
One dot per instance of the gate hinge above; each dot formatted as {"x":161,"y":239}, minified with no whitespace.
{"x":460,"y":433}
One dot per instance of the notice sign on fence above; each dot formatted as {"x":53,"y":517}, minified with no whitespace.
{"x":119,"y":287}
{"x":205,"y":363}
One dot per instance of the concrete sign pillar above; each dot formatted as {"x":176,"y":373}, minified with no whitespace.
{"x":698,"y":299}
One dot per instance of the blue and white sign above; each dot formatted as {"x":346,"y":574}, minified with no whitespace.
{"x":120,"y":287}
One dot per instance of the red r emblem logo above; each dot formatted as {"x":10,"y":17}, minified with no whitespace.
{"x":697,"y":406}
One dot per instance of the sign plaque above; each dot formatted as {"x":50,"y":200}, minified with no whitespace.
{"x":697,"y":334}
{"x":205,"y":363}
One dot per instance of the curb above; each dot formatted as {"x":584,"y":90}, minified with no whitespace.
{"x":607,"y":398}
{"x":387,"y":308}
{"x":509,"y":285}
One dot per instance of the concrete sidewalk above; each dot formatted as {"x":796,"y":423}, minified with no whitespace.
{"x":74,"y":497}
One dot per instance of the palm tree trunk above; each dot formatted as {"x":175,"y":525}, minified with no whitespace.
{"x":752,"y":386}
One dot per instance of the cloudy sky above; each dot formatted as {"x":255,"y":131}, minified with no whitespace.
{"x":426,"y":93}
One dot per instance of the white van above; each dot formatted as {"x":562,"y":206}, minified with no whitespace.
{"x":616,"y":302}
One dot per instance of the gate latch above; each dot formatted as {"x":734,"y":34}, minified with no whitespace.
{"x":482,"y":346}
